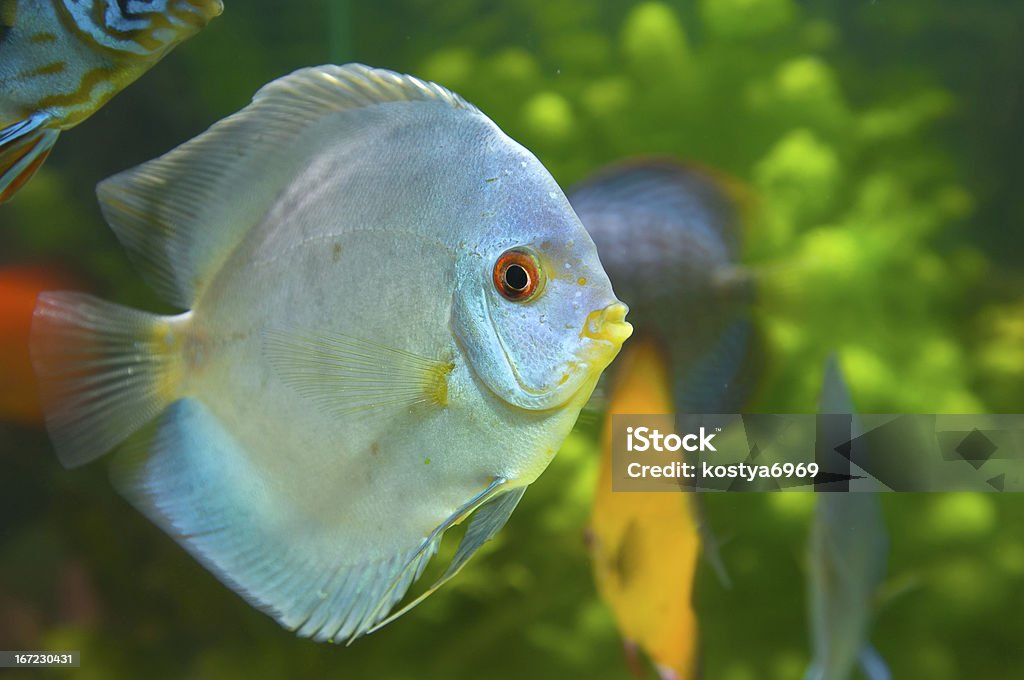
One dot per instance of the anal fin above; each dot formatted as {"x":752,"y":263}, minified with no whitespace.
{"x":24,"y":147}
{"x":195,"y":480}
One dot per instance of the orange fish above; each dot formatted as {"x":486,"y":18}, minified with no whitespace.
{"x":19,"y":287}
{"x":669,"y":236}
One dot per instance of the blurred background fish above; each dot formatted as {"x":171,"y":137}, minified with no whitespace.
{"x":61,"y":60}
{"x":19,"y":287}
{"x":644,"y":546}
{"x":671,"y":236}
{"x":847,"y":551}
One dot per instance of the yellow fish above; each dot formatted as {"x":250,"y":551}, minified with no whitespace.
{"x":669,"y":235}
{"x":61,"y":60}
{"x":394,"y":319}
{"x":645,"y":545}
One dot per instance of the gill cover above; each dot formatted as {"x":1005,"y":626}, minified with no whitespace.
{"x":538,"y":352}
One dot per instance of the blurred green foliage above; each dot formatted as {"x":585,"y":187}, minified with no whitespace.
{"x":882,"y":143}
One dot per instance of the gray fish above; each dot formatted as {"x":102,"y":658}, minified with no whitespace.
{"x":669,"y":237}
{"x":847,"y":552}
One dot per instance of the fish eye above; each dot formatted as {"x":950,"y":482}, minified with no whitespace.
{"x":517,"y":275}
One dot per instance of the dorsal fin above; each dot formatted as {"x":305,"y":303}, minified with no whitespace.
{"x":182,"y":214}
{"x":835,"y":393}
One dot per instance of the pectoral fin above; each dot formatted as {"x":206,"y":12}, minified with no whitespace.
{"x":343,"y":374}
{"x":720,"y":380}
{"x":24,"y":147}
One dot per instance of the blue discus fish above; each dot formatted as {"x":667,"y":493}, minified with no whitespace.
{"x":847,"y":552}
{"x":61,"y":60}
{"x":393,"y":320}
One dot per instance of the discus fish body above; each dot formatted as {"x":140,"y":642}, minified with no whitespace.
{"x":394,"y":320}
{"x":61,"y":60}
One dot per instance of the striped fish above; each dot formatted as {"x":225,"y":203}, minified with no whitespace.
{"x":61,"y":60}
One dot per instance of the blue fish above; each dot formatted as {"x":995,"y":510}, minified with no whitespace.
{"x":669,"y":236}
{"x":391,"y":320}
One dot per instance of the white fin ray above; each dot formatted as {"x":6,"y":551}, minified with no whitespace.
{"x":104,"y":371}
{"x":181,"y":215}
{"x":345,"y":375}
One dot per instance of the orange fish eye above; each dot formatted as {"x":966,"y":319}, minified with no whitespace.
{"x":517,"y":275}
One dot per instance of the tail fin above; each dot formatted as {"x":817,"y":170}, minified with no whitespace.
{"x":104,"y":371}
{"x":23,"y":148}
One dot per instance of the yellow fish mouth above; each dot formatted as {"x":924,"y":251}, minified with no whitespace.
{"x":608,"y":325}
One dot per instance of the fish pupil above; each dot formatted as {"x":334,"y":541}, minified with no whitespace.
{"x":516,"y":277}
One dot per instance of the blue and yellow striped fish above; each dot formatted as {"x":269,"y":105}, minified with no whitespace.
{"x":61,"y":60}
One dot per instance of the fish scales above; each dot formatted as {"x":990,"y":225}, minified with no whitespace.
{"x":293,"y":239}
